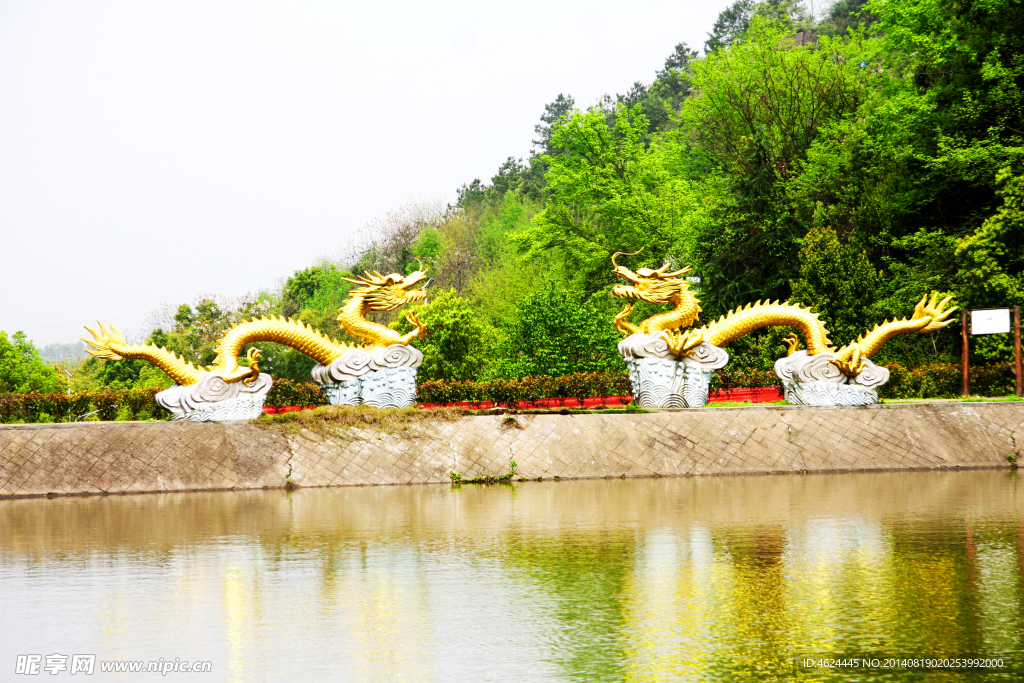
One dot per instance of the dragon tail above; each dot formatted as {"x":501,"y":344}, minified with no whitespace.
{"x":111,"y":345}
{"x":278,"y":330}
{"x":745,"y":320}
{"x":929,"y":315}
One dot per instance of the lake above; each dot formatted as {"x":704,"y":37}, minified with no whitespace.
{"x":691,"y":579}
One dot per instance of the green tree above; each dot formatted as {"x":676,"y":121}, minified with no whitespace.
{"x":300,"y":288}
{"x":554,"y":114}
{"x":609,"y":192}
{"x":991,"y":258}
{"x":839,"y":283}
{"x":730,"y":25}
{"x":21,"y":368}
{"x":454,"y":347}
{"x":847,"y":14}
{"x":554,"y":333}
{"x":760,"y":106}
{"x":96,"y":374}
{"x":671,"y":86}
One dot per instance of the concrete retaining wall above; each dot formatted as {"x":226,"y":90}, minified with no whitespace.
{"x":116,"y":457}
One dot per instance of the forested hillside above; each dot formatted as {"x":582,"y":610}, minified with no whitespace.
{"x":850,"y":163}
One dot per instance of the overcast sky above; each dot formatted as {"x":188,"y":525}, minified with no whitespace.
{"x":154,"y":151}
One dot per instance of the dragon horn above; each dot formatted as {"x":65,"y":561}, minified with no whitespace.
{"x":683,"y":271}
{"x":364,"y":279}
{"x":622,"y":253}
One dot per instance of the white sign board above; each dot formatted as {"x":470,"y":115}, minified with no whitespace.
{"x":993,"y":321}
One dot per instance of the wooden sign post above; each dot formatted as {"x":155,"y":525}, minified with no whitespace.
{"x":995,"y":321}
{"x":964,"y":355}
{"x":1016,"y":347}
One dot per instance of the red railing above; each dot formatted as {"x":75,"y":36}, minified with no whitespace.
{"x":754,"y":395}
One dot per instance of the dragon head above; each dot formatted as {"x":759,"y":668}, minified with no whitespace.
{"x":388,"y":292}
{"x":653,"y":286}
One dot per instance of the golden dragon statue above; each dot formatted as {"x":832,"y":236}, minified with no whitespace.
{"x":376,"y":292}
{"x":659,"y":286}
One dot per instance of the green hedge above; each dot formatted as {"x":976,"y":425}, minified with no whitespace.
{"x":739,"y":378}
{"x":942,"y":380}
{"x":286,"y":392}
{"x":930,"y":381}
{"x":133,"y":404}
{"x":580,"y":385}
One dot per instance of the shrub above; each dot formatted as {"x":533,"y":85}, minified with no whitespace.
{"x":530,"y":390}
{"x":727,"y":379}
{"x":943,"y":380}
{"x":132,"y":404}
{"x":286,"y":392}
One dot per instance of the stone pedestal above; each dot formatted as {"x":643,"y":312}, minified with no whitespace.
{"x":829,"y":394}
{"x":661,"y":379}
{"x":811,"y":380}
{"x":383,"y":377}
{"x":345,"y":393}
{"x":214,"y":400}
{"x":392,"y":388}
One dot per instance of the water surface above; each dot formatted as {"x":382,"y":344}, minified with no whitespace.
{"x":696,"y":579}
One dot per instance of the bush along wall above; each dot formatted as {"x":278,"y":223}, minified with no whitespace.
{"x":943,"y":380}
{"x":131,"y":404}
{"x":929,"y":381}
{"x":579,"y":386}
{"x":727,"y":379}
{"x":286,"y":392}
{"x":529,"y":390}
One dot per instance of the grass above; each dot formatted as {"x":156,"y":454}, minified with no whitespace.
{"x":459,"y":479}
{"x":580,"y":411}
{"x":962,"y":399}
{"x":343,"y":421}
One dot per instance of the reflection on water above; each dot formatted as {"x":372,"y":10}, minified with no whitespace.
{"x":700,"y":579}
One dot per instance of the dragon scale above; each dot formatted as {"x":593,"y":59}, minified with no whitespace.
{"x":352,"y":318}
{"x":278,"y":330}
{"x":685,"y":312}
{"x":929,"y":315}
{"x":745,"y":320}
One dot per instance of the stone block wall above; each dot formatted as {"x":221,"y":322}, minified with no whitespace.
{"x":136,"y":457}
{"x":132,"y":457}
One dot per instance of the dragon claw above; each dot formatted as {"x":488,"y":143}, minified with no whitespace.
{"x":851,"y":364}
{"x":680,"y":343}
{"x":624,"y":327}
{"x":792,"y":343}
{"x":849,"y":368}
{"x":414,"y":320}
